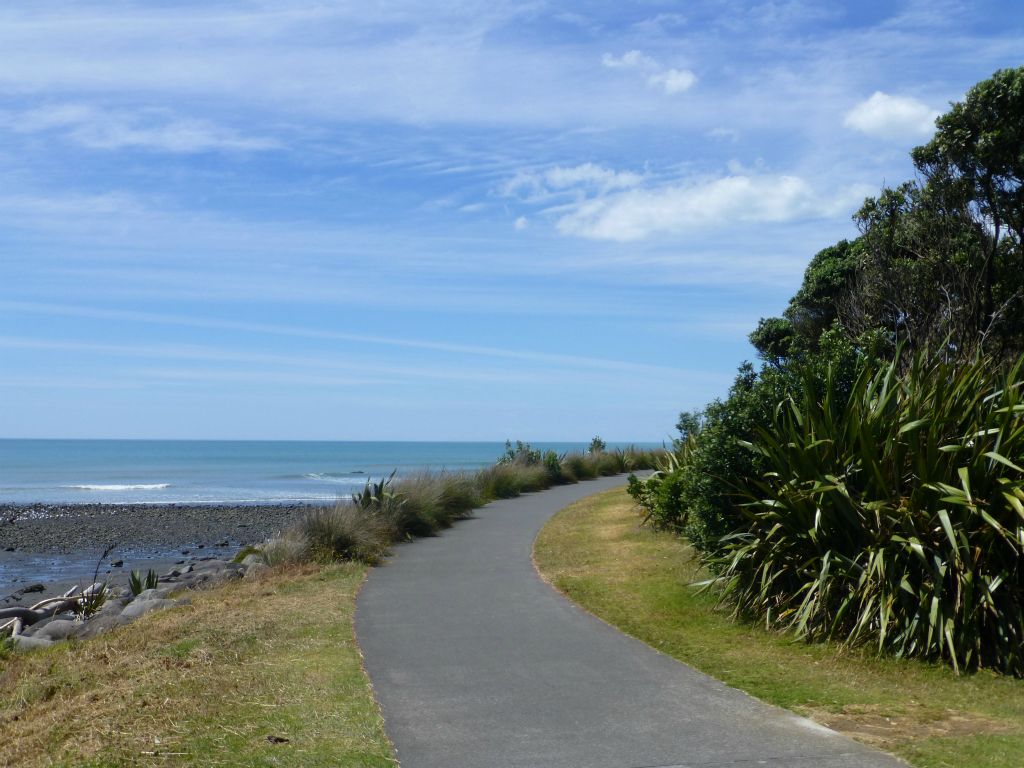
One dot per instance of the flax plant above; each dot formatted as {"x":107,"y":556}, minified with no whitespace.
{"x":894,"y":517}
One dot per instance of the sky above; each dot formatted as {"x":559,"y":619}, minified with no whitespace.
{"x":461,"y":221}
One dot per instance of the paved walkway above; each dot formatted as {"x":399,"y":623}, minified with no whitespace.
{"x":478,"y":663}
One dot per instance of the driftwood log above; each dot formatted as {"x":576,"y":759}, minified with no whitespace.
{"x":15,"y":619}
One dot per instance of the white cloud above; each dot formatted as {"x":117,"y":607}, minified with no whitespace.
{"x":673,"y":81}
{"x":891,"y":117}
{"x":521,"y":224}
{"x":701,"y":204}
{"x":541,"y":185}
{"x":143,"y":129}
{"x":724,"y":134}
{"x":629,"y":60}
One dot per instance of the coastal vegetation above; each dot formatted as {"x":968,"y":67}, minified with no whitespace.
{"x":866,"y":483}
{"x":639,"y":579}
{"x":392,"y":509}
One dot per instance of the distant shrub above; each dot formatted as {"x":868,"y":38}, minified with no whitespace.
{"x":577,"y":465}
{"x":460,"y":494}
{"x":421,"y":504}
{"x":286,"y":548}
{"x":346,"y":532}
{"x":521,"y":453}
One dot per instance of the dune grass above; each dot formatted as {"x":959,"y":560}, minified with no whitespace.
{"x":206,"y":684}
{"x":422,"y":504}
{"x":638,"y":580}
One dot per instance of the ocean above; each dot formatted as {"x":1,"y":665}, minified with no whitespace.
{"x":222,"y":471}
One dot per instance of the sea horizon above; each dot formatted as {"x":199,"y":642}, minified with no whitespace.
{"x":178,"y":471}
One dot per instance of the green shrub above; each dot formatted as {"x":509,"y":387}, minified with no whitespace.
{"x":418,"y":500}
{"x":137,"y":584}
{"x":576,"y":464}
{"x":522,"y":454}
{"x":892,"y":516}
{"x":349,"y":531}
{"x":287,"y":548}
{"x":460,"y":494}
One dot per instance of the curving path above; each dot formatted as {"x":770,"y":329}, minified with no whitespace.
{"x":477,"y":662}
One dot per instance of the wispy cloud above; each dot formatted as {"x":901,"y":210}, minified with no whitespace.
{"x":668,"y":80}
{"x":539,"y":185}
{"x":150,"y":129}
{"x":673,"y":81}
{"x":628,"y":60}
{"x":472,"y":350}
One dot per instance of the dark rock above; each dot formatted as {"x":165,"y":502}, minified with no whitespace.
{"x":102,"y":623}
{"x":59,"y":629}
{"x":138,"y":608}
{"x":117,"y":564}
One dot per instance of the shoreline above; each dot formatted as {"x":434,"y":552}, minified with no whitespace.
{"x":68,"y":528}
{"x":59,"y":545}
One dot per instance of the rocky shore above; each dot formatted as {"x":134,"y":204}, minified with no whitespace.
{"x":63,"y":617}
{"x":51,"y":547}
{"x":66,"y":529}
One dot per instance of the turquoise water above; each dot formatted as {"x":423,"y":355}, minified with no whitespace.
{"x":237,"y":472}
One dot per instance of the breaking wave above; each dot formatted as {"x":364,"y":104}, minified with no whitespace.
{"x":118,"y":487}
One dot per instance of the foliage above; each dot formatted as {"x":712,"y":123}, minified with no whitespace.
{"x":348,"y":531}
{"x":522,"y":453}
{"x":893,"y":516}
{"x":694,"y":493}
{"x":287,"y":548}
{"x":939,"y":263}
{"x":137,"y":584}
{"x":422,"y":504}
{"x":938,"y":270}
{"x":597,"y":445}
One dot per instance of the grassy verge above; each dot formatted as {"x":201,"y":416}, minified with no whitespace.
{"x":636,"y":579}
{"x":206,"y":684}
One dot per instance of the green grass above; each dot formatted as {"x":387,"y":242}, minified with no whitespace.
{"x":638,"y":580}
{"x":206,"y":684}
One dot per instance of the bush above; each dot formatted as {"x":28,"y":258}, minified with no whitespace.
{"x":460,"y":494}
{"x":697,"y":495}
{"x":346,"y":532}
{"x":419,"y":505}
{"x":285,"y":549}
{"x":893,"y":516}
{"x":424,"y":503}
{"x":576,"y":464}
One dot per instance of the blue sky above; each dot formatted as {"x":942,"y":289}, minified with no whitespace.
{"x":402,"y":220}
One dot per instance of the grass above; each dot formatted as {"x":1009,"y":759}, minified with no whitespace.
{"x":638,"y":580}
{"x":422,"y":504}
{"x":206,"y":684}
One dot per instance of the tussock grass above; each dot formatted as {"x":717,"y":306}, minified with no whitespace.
{"x":345,"y":532}
{"x":637,"y":579}
{"x":424,"y":503}
{"x":206,"y":684}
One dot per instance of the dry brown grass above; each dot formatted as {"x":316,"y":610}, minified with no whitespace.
{"x":206,"y":684}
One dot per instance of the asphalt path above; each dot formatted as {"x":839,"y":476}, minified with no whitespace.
{"x":477,"y":662}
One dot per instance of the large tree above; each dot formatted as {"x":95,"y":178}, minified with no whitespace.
{"x":939,"y":263}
